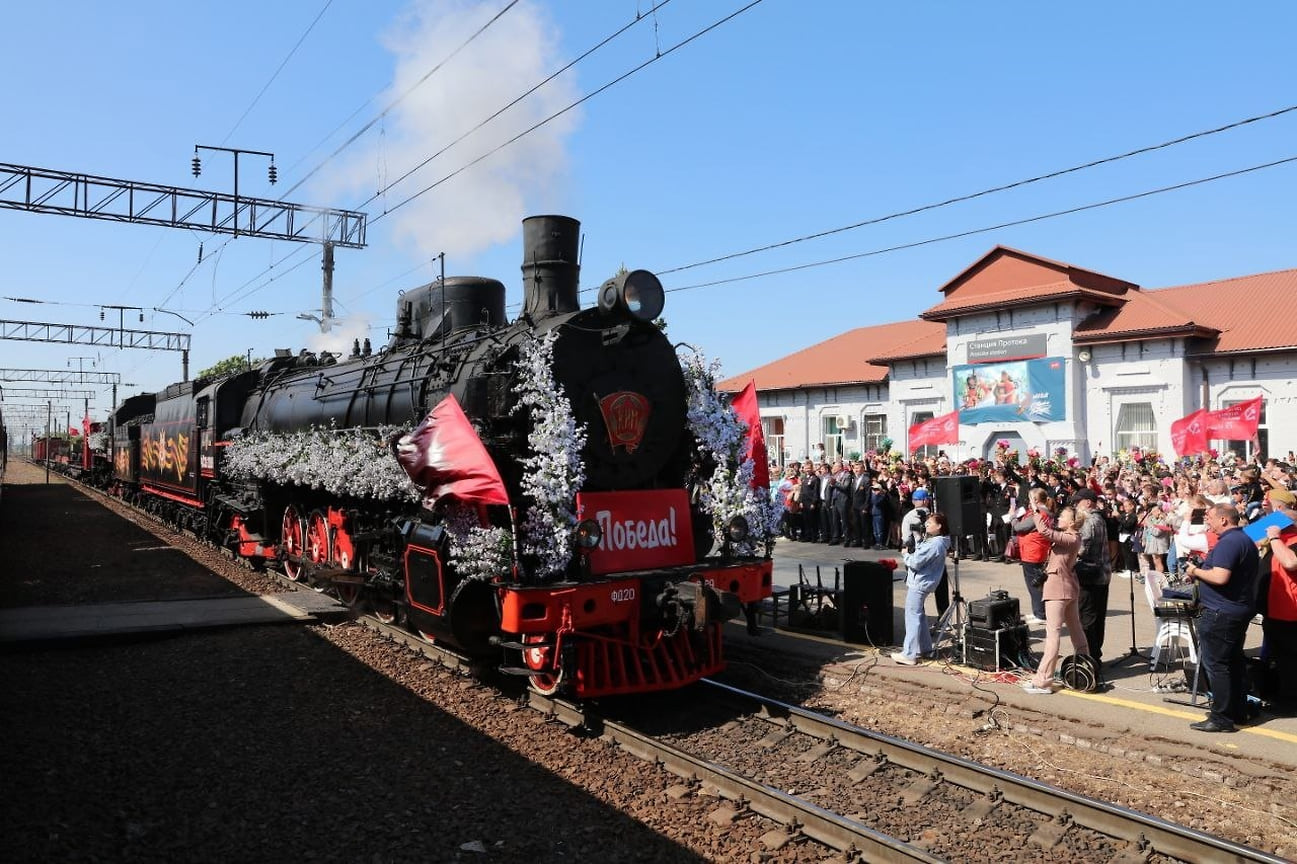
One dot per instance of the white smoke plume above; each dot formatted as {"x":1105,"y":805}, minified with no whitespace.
{"x":483,"y":205}
{"x":342,"y":336}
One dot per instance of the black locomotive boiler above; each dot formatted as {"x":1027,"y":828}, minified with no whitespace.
{"x":637,"y":605}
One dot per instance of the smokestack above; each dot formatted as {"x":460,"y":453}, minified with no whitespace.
{"x":550,"y":271}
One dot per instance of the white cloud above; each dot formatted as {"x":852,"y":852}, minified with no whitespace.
{"x":485,"y":204}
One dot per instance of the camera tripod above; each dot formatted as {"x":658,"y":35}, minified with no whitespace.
{"x":950,"y":626}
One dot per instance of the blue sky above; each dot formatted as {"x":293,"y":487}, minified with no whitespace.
{"x":789,"y":119}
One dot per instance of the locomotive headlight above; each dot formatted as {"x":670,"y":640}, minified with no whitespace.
{"x":637,"y":293}
{"x":737,"y":530}
{"x":588,"y":534}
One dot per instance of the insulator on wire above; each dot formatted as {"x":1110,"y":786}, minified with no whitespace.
{"x":274,"y":174}
{"x":198,"y":165}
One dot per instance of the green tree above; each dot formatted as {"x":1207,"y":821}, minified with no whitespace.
{"x":230,"y":366}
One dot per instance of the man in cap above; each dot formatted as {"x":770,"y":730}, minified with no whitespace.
{"x":912,"y":528}
{"x":1093,"y":571}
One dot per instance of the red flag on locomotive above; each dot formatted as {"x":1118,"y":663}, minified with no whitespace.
{"x":745,"y":405}
{"x":444,"y":455}
{"x":938,"y":430}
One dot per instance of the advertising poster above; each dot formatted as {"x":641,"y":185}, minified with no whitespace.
{"x":1018,"y":390}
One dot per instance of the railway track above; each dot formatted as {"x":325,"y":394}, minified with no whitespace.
{"x":870,"y":796}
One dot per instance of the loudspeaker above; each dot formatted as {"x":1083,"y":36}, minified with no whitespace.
{"x":959,"y":498}
{"x":866,"y":603}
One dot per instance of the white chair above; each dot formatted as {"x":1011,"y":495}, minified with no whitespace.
{"x":1170,"y":631}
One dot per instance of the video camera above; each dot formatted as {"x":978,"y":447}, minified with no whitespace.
{"x":917,"y":529}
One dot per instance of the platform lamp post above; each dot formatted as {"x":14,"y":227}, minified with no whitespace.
{"x":272,"y":175}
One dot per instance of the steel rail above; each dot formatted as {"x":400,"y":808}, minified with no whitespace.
{"x":1140,"y":829}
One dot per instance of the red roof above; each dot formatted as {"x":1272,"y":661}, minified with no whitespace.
{"x":1243,"y":314}
{"x":1005,"y":277}
{"x":845,"y":359}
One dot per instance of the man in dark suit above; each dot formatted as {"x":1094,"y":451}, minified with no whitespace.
{"x":810,"y":504}
{"x":840,"y":499}
{"x":1001,"y":498}
{"x":858,"y":520}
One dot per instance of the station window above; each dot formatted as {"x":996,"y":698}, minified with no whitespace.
{"x":1136,"y":426}
{"x":927,"y":450}
{"x":875,"y":431}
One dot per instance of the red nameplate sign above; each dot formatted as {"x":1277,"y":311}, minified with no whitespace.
{"x":641,"y":530}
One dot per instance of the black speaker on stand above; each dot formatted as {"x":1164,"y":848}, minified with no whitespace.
{"x":959,"y":499}
{"x":866,"y":603}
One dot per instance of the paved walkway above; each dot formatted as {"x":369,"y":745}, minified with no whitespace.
{"x":106,"y":621}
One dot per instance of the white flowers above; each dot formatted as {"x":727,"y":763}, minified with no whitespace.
{"x":478,"y":553}
{"x":353,"y":462}
{"x":554,"y":472}
{"x":721,"y":435}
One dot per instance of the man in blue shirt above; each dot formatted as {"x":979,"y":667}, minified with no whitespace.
{"x":1226,"y":593}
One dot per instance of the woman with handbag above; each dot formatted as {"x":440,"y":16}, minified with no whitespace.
{"x":1061,"y":594}
{"x":1157,"y":536}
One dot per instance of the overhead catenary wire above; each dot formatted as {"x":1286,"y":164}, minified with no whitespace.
{"x":620,"y":78}
{"x":959,"y":199}
{"x":973,"y":232}
{"x":399,"y":99}
{"x":659,"y":55}
{"x":278,"y":69}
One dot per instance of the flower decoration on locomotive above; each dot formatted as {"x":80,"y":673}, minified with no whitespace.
{"x":355,"y":462}
{"x":554,"y":472}
{"x":727,"y":492}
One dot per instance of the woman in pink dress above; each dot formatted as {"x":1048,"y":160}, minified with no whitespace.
{"x":1061,"y":593}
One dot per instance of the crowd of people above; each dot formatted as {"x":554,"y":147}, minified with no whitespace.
{"x":1070,"y":527}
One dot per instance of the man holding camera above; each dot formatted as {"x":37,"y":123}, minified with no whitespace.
{"x":1226,"y":594}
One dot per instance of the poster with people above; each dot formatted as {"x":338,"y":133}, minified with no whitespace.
{"x":1022,"y":390}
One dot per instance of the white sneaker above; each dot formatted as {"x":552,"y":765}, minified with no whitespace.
{"x":904,"y":660}
{"x":1029,"y":687}
{"x":1033,"y":621}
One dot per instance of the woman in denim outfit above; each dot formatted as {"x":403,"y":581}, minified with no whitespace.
{"x":925,"y":565}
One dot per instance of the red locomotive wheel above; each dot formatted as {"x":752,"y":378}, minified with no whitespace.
{"x":548,"y":678}
{"x":292,"y":534}
{"x":317,"y":543}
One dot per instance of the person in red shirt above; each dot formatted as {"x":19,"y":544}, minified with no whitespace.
{"x":1279,"y":605}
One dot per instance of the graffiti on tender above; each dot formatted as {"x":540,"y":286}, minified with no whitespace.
{"x":165,"y":454}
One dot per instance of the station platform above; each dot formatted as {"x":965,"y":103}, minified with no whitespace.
{"x":100,"y":622}
{"x":1140,"y":697}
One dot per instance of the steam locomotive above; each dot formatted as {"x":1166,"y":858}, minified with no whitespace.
{"x":639,"y":603}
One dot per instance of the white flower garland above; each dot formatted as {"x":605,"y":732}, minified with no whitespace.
{"x":553,"y":471}
{"x":355,"y":462}
{"x":720,"y":435}
{"x":477,"y":552}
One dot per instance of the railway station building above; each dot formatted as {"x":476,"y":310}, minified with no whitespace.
{"x":1043,"y":354}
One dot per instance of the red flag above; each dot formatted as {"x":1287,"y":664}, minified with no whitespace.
{"x":85,"y":425}
{"x":1235,"y":423}
{"x":444,"y":456}
{"x":1189,"y":434}
{"x":745,"y":405}
{"x":938,"y":430}
{"x":72,"y":430}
